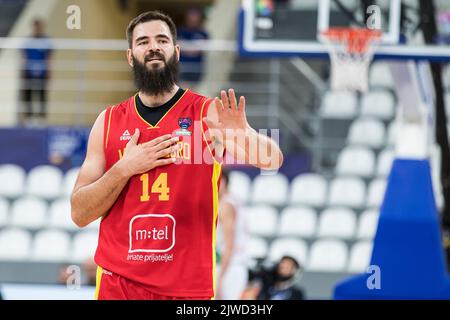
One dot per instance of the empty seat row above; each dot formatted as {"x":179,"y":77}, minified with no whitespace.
{"x":372,"y":133}
{"x":379,"y":104}
{"x":361,"y":162}
{"x":45,"y":181}
{"x":304,"y":222}
{"x":47,"y":245}
{"x":309,"y":189}
{"x":34,"y":213}
{"x":325,"y":255}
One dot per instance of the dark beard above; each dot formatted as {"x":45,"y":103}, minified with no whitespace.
{"x":155,"y":81}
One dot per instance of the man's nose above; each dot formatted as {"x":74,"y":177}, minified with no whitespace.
{"x":153,"y":46}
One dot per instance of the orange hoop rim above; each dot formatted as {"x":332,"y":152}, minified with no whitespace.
{"x":358,"y":40}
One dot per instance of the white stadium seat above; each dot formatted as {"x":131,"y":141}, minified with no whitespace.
{"x":270,"y":189}
{"x":309,"y":189}
{"x":328,"y":255}
{"x":84,"y":245}
{"x":360,"y":255}
{"x":298,"y":221}
{"x":338,"y":223}
{"x":347,"y":192}
{"x":257,"y":248}
{"x":15,"y":244}
{"x":15,"y":175}
{"x":377,"y":189}
{"x":380,"y":75}
{"x":392,"y":133}
{"x":239,"y":185}
{"x":4,"y":210}
{"x":367,"y":225}
{"x":44,"y":181}
{"x":29,"y":212}
{"x":384,"y":163}
{"x":356,"y":161}
{"x":367,"y":132}
{"x":69,"y":181}
{"x":293,"y":247}
{"x":60,"y":216}
{"x":379,"y":104}
{"x":339,"y":105}
{"x":51,"y":245}
{"x":262,"y":220}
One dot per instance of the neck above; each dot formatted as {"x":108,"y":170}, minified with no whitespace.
{"x":157,"y":100}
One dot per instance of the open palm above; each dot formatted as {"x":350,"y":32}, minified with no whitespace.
{"x":230,"y":115}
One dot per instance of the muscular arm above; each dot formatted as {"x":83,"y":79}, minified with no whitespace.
{"x":95,"y":190}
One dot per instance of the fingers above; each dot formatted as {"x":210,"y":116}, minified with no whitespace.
{"x":232,"y":99}
{"x":219,"y":105}
{"x":166,"y":143}
{"x":135,"y":138}
{"x":241,"y":106}
{"x":164,"y":162}
{"x":225,"y":102}
{"x":167,"y":151}
{"x":158,"y":140}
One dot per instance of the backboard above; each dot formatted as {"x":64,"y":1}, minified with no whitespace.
{"x":291,"y":27}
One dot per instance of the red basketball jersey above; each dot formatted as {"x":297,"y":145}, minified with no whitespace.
{"x":161,"y":230}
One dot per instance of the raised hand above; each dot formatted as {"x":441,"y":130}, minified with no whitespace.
{"x":230,"y":115}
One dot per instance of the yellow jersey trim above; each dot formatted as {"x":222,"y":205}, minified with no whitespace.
{"x":98,"y":280}
{"x":156,"y":125}
{"x":109,"y":125}
{"x":214,"y":180}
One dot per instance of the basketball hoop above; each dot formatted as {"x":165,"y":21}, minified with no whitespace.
{"x":351,"y":51}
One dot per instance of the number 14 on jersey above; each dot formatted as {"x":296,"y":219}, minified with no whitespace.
{"x":159,"y":186}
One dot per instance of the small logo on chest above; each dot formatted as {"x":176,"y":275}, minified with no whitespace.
{"x":125,"y":136}
{"x":184,"y":124}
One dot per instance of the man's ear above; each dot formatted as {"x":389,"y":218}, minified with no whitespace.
{"x":130,"y":57}
{"x":177,"y":50}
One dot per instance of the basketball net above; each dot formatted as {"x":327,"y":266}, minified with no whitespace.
{"x":351,"y":51}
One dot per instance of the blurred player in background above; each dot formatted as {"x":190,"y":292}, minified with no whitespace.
{"x":35,"y":73}
{"x":192,"y":60}
{"x":157,"y":202}
{"x":231,"y":244}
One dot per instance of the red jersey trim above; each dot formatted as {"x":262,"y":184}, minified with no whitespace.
{"x":156,"y":125}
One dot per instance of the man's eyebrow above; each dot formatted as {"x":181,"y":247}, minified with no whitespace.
{"x":141,"y":38}
{"x":161,"y":35}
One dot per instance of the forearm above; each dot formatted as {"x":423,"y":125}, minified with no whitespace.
{"x":251,"y":147}
{"x":93,"y":201}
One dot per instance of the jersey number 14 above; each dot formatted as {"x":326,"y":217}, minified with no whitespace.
{"x":159,"y":186}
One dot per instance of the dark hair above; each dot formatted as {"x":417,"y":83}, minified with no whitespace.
{"x":150,"y":16}
{"x":294,"y":261}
